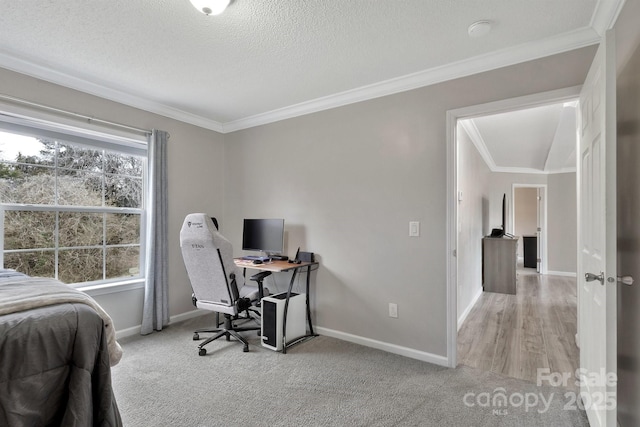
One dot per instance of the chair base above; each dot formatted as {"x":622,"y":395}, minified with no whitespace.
{"x":254,"y":309}
{"x":228,"y":331}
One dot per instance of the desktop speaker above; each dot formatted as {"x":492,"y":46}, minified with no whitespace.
{"x":273,"y":316}
{"x":306,"y":256}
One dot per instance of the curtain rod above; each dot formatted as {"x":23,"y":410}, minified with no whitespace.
{"x":89,"y":119}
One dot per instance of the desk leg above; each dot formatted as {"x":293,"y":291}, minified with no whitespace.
{"x":286,"y":309}
{"x":308,"y":307}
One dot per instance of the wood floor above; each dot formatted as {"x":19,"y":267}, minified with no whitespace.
{"x":514,"y":335}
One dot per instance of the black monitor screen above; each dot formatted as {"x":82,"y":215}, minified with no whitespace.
{"x":266,"y":235}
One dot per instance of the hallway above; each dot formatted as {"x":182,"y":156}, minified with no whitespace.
{"x":514,"y":335}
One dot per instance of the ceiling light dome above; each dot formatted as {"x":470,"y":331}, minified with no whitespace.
{"x":210,"y":7}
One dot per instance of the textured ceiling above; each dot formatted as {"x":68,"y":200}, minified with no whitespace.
{"x":261,"y":61}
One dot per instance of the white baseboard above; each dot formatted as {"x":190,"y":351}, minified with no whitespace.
{"x":123,"y":333}
{"x":391,"y":348}
{"x":467,"y":310}
{"x":561,"y":273}
{"x":368,"y":342}
{"x":135,"y":330}
{"x":187,"y":315}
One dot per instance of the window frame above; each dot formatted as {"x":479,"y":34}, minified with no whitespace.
{"x":92,"y":137}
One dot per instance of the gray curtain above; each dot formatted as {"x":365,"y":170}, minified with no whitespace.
{"x":155,"y":312}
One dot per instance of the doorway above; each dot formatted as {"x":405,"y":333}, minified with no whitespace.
{"x":465,"y":294}
{"x":530,"y":226}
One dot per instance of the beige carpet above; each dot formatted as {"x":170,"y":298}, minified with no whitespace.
{"x":161,"y":381}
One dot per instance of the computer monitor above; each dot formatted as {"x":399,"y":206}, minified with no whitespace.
{"x":265,"y":235}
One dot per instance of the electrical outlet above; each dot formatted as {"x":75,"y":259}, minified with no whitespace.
{"x":393,"y":310}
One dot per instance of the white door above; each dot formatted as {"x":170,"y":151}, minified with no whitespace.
{"x":597,"y":237}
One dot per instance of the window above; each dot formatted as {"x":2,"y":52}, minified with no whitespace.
{"x":71,"y":205}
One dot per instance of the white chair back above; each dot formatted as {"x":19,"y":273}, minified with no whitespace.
{"x":208,"y":258}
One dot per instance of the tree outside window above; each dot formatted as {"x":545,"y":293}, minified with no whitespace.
{"x":70,"y":211}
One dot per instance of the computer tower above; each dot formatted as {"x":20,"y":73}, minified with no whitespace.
{"x":273,"y":315}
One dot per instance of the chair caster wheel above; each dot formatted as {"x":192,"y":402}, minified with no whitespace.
{"x":245,"y":349}
{"x":196,"y":337}
{"x":202,"y":352}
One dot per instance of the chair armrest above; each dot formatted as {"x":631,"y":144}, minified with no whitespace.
{"x":259,"y":277}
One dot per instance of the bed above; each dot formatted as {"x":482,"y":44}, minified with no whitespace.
{"x":57,"y":346}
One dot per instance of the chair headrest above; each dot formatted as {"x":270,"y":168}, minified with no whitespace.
{"x":197,"y":225}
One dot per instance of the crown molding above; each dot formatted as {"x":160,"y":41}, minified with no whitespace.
{"x":604,"y":17}
{"x":466,"y":115}
{"x":572,"y":169}
{"x":477,"y":139}
{"x":532,"y":170}
{"x":101,"y":90}
{"x":498,"y":59}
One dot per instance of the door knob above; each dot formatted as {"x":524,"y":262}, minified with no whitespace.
{"x":625,"y":280}
{"x":590,"y":277}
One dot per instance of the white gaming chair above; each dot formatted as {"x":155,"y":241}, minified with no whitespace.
{"x":217,"y":283}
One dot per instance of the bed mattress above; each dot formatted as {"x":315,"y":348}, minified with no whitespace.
{"x":55,"y":368}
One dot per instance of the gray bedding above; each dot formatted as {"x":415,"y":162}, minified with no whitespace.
{"x":55,"y":368}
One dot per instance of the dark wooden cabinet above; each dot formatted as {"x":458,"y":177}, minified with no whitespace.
{"x":530,"y":248}
{"x":499,"y":264}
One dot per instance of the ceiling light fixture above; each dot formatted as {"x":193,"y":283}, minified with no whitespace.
{"x":210,"y":7}
{"x":479,"y":29}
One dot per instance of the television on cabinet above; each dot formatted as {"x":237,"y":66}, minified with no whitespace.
{"x":499,"y":232}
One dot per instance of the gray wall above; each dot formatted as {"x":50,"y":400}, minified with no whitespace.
{"x":196,"y":179}
{"x":502,"y":183}
{"x":348,"y":181}
{"x":473,"y":221}
{"x":561,"y":213}
{"x":628,"y":139}
{"x":562,"y":230}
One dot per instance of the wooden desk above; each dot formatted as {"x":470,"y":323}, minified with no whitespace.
{"x":273,"y":266}
{"x":282,"y":267}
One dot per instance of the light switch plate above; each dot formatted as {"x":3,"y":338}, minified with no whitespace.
{"x":393,"y":310}
{"x":414,"y":228}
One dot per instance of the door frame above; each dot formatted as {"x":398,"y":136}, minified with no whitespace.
{"x":452,"y":117}
{"x":542,"y":221}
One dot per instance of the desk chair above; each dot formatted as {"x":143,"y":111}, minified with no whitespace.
{"x":216,"y":284}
